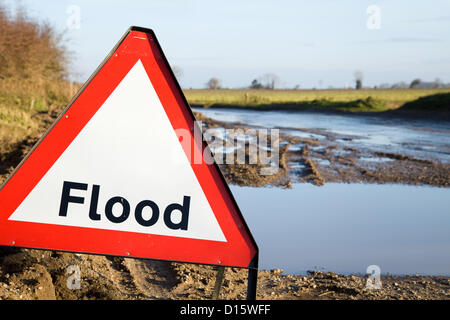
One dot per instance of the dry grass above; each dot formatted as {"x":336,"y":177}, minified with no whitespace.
{"x":33,"y":73}
{"x":391,"y":98}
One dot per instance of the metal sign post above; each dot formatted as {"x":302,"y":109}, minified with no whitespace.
{"x":252,"y":283}
{"x":219,"y":281}
{"x":252,"y":279}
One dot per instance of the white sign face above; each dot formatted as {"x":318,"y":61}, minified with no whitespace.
{"x":108,"y":179}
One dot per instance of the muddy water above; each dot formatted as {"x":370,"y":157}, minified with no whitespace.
{"x":420,"y":139}
{"x":347,"y":227}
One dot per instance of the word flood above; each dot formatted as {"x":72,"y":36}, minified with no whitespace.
{"x":66,"y":198}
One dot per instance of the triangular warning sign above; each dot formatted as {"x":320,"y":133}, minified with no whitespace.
{"x":113,"y":175}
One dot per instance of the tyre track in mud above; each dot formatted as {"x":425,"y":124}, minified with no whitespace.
{"x":124,"y":280}
{"x":152,"y":279}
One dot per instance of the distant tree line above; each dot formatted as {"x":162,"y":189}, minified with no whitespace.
{"x":267,"y":81}
{"x":270,"y":81}
{"x":415,"y":84}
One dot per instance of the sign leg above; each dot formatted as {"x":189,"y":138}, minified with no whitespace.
{"x":251,"y":283}
{"x":219,"y":280}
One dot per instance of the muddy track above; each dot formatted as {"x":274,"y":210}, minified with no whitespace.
{"x":310,"y":174}
{"x":310,"y":160}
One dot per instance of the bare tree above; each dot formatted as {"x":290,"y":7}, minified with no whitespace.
{"x":270,"y":80}
{"x":178,"y":72}
{"x":358,"y":74}
{"x":256,"y":85}
{"x":400,"y":85}
{"x":213,"y":83}
{"x":437,"y":84}
{"x":415,"y":83}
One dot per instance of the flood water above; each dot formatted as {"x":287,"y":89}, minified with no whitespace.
{"x":420,"y":139}
{"x":347,"y":227}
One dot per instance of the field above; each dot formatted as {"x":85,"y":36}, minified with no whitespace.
{"x":399,"y":96}
{"x":351,"y":100}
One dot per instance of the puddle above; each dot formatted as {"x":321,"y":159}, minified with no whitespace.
{"x":302,"y":134}
{"x":347,"y":227}
{"x":322,"y":162}
{"x":297,"y":166}
{"x":380,"y":159}
{"x":378,"y":140}
{"x":317,"y":148}
{"x":296,"y":147}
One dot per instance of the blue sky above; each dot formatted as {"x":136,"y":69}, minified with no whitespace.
{"x":309,"y":43}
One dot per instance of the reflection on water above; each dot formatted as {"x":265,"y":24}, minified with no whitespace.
{"x":347,"y":227}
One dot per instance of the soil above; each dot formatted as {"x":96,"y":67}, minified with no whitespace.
{"x":27,"y":274}
{"x":44,"y":274}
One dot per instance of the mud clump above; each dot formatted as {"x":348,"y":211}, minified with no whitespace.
{"x":259,"y":174}
{"x":311,"y":173}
